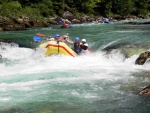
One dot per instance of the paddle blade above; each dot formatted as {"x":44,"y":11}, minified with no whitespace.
{"x":37,"y":38}
{"x":40,"y":34}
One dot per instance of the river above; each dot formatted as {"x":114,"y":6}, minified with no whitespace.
{"x":105,"y":81}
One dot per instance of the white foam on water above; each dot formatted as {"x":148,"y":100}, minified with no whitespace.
{"x":27,"y":61}
{"x":27,"y":70}
{"x":23,"y":86}
{"x":4,"y":99}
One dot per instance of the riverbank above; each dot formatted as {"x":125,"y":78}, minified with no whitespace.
{"x":22,"y":23}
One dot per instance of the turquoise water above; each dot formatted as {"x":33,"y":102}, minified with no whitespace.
{"x":106,"y":81}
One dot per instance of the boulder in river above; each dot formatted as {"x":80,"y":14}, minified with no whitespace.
{"x":143,"y":57}
{"x":145,"y":91}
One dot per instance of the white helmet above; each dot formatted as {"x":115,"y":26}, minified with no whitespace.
{"x":86,"y":45}
{"x":83,"y":40}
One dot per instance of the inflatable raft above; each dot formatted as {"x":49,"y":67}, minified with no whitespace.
{"x":53,"y":47}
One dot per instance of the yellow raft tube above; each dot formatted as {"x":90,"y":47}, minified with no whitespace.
{"x":53,"y":47}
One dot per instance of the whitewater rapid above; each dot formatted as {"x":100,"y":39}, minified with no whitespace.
{"x":17,"y":60}
{"x":27,"y":76}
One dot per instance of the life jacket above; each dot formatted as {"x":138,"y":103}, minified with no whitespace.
{"x":65,"y":25}
{"x":77,"y":48}
{"x":60,"y":39}
{"x":83,"y":47}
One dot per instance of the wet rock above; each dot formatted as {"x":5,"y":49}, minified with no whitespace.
{"x":13,"y":26}
{"x":75,"y":21}
{"x":130,"y":51}
{"x":1,"y":29}
{"x":138,"y":23}
{"x":67,"y":21}
{"x":91,"y":19}
{"x":68,"y":15}
{"x":10,"y":24}
{"x":19,"y":22}
{"x":145,"y":91}
{"x":127,"y":49}
{"x":53,"y":20}
{"x":84,"y":19}
{"x":143,"y":57}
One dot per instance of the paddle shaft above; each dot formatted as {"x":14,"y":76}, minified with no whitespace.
{"x":58,"y":46}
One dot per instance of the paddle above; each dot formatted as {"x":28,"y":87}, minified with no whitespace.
{"x":37,"y":38}
{"x":58,"y":46}
{"x":40,"y":34}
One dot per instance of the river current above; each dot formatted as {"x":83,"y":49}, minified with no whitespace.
{"x":105,"y":81}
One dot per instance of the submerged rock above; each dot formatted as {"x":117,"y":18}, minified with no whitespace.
{"x":132,"y":51}
{"x":138,"y":23}
{"x":127,"y":49}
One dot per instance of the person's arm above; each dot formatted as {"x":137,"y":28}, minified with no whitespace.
{"x":69,"y":41}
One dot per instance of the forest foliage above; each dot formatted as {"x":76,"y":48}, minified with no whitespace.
{"x":51,"y":8}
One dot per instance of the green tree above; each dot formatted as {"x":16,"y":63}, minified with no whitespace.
{"x":104,"y":7}
{"x":45,"y":8}
{"x":9,"y":8}
{"x":58,"y":6}
{"x":125,"y":7}
{"x":142,"y":7}
{"x":86,"y":6}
